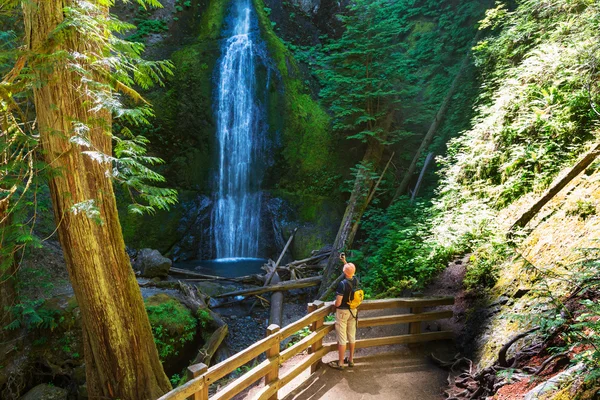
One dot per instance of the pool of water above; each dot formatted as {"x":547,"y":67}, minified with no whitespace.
{"x":226,"y":267}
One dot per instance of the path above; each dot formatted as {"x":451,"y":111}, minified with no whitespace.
{"x":395,"y":372}
{"x":407,"y":374}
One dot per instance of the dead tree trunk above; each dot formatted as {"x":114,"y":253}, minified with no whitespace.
{"x":439,"y":116}
{"x":556,"y":187}
{"x":415,"y":192}
{"x":120,"y":356}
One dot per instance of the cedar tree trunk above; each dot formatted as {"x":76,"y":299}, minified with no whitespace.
{"x":120,"y":356}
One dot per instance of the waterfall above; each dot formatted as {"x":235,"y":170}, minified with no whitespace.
{"x":236,"y":219}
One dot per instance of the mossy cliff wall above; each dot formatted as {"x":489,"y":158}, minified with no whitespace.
{"x":556,"y":240}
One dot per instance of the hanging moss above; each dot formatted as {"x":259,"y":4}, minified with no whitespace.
{"x":307,"y":142}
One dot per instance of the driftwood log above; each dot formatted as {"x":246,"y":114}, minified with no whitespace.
{"x":207,"y":352}
{"x":287,"y":285}
{"x":203,"y":277}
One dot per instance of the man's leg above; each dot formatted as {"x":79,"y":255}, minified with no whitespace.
{"x":341,"y":351}
{"x":352,"y":334}
{"x":341,"y":320}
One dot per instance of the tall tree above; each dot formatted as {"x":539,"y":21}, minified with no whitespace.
{"x":74,"y":58}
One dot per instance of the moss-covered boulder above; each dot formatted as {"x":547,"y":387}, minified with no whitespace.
{"x":173,"y":325}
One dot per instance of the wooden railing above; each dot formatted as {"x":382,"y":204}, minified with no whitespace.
{"x":200,"y":376}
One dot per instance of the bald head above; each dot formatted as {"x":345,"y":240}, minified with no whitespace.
{"x":349,"y":270}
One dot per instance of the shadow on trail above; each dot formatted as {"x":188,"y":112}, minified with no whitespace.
{"x":407,"y":375}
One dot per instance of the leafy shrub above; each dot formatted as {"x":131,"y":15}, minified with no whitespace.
{"x":483,"y":269}
{"x":172,"y":324}
{"x":397,"y":253}
{"x":582,"y":209}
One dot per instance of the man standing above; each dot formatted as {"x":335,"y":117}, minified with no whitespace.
{"x":345,"y":318}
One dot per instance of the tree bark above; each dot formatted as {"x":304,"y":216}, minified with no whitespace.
{"x":120,"y":356}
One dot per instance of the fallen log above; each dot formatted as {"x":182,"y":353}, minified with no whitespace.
{"x":185,"y":272}
{"x":556,"y":187}
{"x":207,"y":352}
{"x":310,"y":260}
{"x":287,"y":285}
{"x":195,"y":302}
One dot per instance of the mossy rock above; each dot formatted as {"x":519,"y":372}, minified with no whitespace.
{"x":173,"y":324}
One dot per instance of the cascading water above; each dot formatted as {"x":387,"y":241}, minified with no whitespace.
{"x":236,"y":219}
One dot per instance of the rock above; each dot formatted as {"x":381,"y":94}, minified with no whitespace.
{"x":152,"y":264}
{"x":520,"y":292}
{"x":555,"y":383}
{"x":45,"y":392}
{"x":308,"y":6}
{"x":502,"y":300}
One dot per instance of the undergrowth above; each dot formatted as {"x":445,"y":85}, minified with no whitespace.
{"x":172,"y":324}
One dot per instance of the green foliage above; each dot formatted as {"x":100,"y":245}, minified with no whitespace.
{"x":484,"y":265}
{"x":172,"y":324}
{"x":30,"y":311}
{"x":146,"y":26}
{"x":204,"y":318}
{"x":397,"y":253}
{"x":536,"y":113}
{"x":298,"y":336}
{"x":582,"y":209}
{"x":391,"y":60}
{"x":571,"y":313}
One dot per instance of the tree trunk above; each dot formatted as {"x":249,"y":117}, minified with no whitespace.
{"x":415,"y":192}
{"x":439,"y":116}
{"x":120,"y":356}
{"x":558,"y":185}
{"x":354,"y":211}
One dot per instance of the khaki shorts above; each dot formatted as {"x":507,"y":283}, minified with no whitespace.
{"x":345,"y":326}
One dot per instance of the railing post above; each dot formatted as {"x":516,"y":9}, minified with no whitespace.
{"x":194,"y":371}
{"x":273,"y":374}
{"x":311,"y":307}
{"x":317,"y":304}
{"x":415,"y":327}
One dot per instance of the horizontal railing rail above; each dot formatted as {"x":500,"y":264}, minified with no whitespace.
{"x":201,"y":377}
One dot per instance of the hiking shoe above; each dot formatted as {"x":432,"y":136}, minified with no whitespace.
{"x":349,"y":363}
{"x":336,"y":365}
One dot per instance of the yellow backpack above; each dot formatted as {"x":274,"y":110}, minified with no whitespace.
{"x":356,"y":296}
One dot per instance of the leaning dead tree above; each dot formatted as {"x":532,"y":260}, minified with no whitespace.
{"x":559,"y":184}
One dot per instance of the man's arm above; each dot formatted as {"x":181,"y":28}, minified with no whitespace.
{"x":338,"y":300}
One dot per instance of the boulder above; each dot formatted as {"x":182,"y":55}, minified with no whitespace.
{"x":308,"y":6}
{"x":152,"y":264}
{"x":45,"y":392}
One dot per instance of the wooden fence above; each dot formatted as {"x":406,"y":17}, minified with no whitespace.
{"x":200,"y":377}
